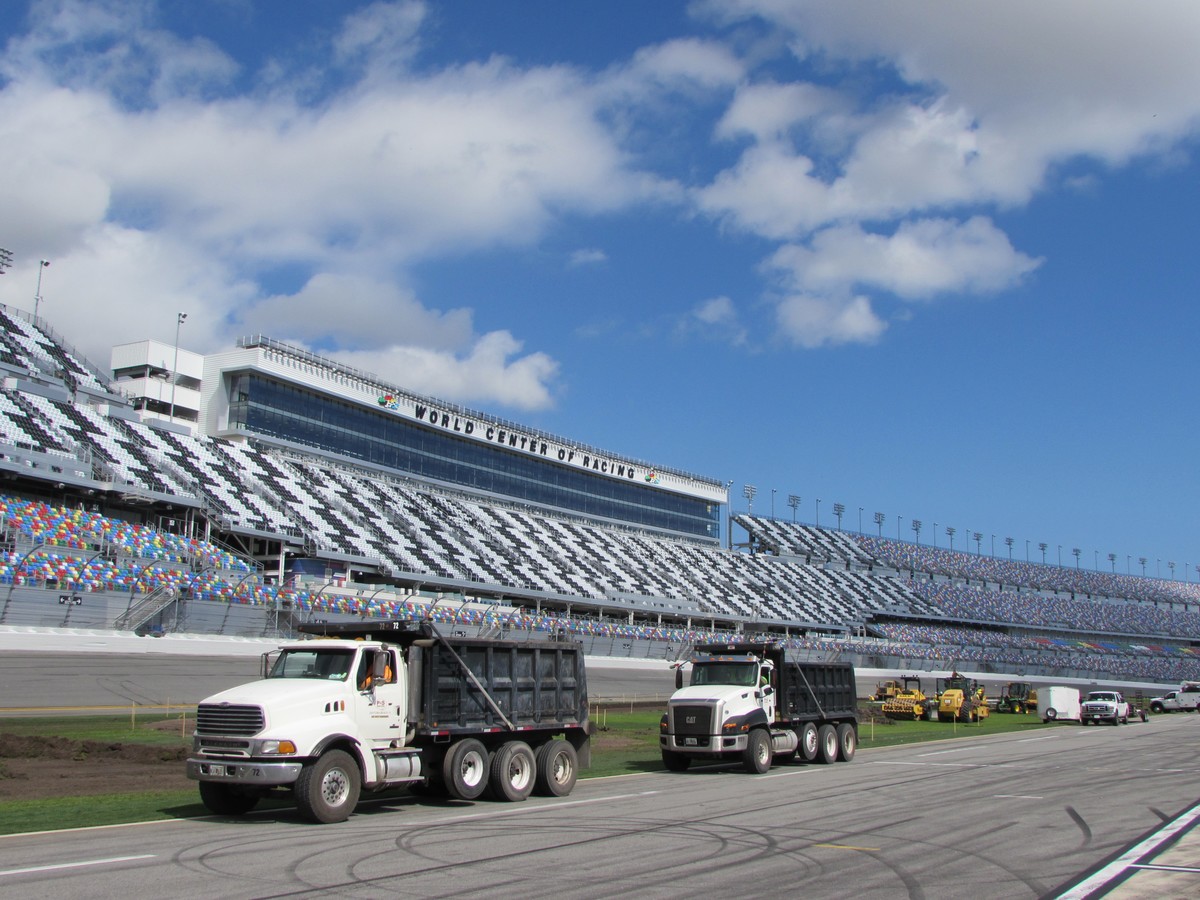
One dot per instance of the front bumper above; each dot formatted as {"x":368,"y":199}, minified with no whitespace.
{"x":703,"y":744}
{"x":244,"y":771}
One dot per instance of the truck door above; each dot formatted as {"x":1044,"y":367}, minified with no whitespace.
{"x":381,"y":695}
{"x":767,"y":693}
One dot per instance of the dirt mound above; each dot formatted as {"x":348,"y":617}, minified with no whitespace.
{"x":40,"y":767}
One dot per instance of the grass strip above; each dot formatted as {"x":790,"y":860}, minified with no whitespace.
{"x":625,"y":742}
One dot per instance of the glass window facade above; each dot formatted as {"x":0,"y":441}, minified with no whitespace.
{"x":263,"y":406}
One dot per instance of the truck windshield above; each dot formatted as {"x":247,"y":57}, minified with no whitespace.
{"x":738,"y":673}
{"x":1095,"y":695}
{"x":330,"y":664}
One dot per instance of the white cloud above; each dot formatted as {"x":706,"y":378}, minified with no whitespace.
{"x":158,"y":199}
{"x":384,"y":36}
{"x":768,"y":111}
{"x":716,"y":317}
{"x":488,"y":372}
{"x":815,"y":321}
{"x":919,"y":261}
{"x":355,"y":312}
{"x":588,"y":256}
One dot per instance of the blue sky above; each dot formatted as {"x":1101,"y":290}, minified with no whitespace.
{"x":931,"y":259}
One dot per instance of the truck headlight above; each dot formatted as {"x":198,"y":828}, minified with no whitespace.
{"x":278,"y":748}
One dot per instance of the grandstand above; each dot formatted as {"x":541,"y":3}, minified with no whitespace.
{"x":317,"y":491}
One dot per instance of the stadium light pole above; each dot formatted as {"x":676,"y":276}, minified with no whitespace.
{"x":793,"y":502}
{"x":179,"y":320}
{"x":916,"y":527}
{"x":950,"y":530}
{"x":37,"y":297}
{"x":1042,"y":545}
{"x":1075,"y":552}
{"x":748,"y":491}
{"x":1096,"y":560}
{"x":839,"y":510}
{"x":818,"y":522}
{"x":860,"y":510}
{"x":978,"y":536}
{"x":1112,"y":561}
{"x":1010,"y":542}
{"x":879,"y":519}
{"x":5,"y":260}
{"x":1142,"y":560}
{"x":993,"y":545}
{"x":1171,"y":566}
{"x":1026,"y":549}
{"x":935,"y":534}
{"x":772,"y":503}
{"x":898,"y":520}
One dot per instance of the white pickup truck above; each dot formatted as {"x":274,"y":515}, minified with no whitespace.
{"x":1105,"y":706}
{"x":1186,"y":699}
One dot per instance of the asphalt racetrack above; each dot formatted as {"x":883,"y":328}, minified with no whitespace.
{"x":1066,"y":812}
{"x":992,"y":817}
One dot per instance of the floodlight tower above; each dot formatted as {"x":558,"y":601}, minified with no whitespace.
{"x":37,"y":297}
{"x":179,"y":320}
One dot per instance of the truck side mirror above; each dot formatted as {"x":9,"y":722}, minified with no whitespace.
{"x":380,"y":669}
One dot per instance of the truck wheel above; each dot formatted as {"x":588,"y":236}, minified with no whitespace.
{"x":1051,"y":714}
{"x":808,"y":742}
{"x":557,"y":769}
{"x":756,"y":758}
{"x":847,"y":742}
{"x":675,"y":762}
{"x":827,"y":741}
{"x":513,"y":767}
{"x":465,"y":769}
{"x":1156,"y":707}
{"x":327,"y":790}
{"x":225,"y":799}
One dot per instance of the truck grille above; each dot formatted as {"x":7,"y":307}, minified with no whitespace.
{"x":693,"y":719}
{"x":214,"y":718}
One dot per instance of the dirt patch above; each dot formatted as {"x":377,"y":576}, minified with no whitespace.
{"x":40,"y":767}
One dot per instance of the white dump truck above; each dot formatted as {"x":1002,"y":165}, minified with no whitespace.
{"x":757,"y":703}
{"x":378,"y":705}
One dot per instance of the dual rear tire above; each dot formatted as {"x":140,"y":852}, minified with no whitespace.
{"x":512,"y":772}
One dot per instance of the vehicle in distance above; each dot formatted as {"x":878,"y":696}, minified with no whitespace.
{"x":1059,"y":704}
{"x":1105,"y":706}
{"x":1186,"y":699}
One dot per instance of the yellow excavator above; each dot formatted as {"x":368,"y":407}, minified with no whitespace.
{"x":910,"y":702}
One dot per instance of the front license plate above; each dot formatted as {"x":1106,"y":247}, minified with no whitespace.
{"x":691,"y":742}
{"x":219,"y":771}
